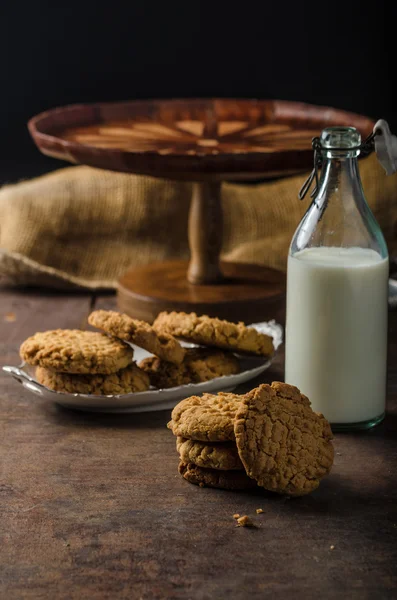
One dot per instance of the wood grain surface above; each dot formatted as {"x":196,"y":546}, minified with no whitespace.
{"x":92,"y":506}
{"x":190,"y":139}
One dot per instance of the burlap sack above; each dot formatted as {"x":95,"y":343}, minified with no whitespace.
{"x":83,"y":227}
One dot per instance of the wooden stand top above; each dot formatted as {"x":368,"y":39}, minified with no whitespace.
{"x":93,"y":505}
{"x":209,"y":139}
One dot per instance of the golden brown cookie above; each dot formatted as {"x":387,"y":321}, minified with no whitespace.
{"x":222,"y":456}
{"x":283,"y":444}
{"x":126,"y":381}
{"x":199,"y":364}
{"x":224,"y":480}
{"x":75,"y":351}
{"x":210,"y":331}
{"x":139,"y":333}
{"x":209,"y":418}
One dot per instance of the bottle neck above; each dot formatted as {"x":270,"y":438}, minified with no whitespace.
{"x":339,"y":216}
{"x":340,"y":177}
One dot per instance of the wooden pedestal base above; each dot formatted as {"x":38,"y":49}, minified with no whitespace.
{"x":247,"y":293}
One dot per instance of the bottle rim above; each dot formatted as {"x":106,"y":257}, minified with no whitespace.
{"x":340,"y":138}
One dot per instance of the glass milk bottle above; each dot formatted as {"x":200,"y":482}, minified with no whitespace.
{"x":337,"y":287}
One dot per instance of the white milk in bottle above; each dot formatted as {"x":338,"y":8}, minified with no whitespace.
{"x":337,"y":283}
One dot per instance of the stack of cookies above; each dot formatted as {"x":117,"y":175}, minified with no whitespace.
{"x":217,"y":340}
{"x":86,"y":362}
{"x":83,"y":362}
{"x":173,"y":365}
{"x":269,"y":437}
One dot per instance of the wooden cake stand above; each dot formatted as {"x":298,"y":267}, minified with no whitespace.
{"x":206,"y":142}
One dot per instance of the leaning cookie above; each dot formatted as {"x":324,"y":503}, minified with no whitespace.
{"x":126,"y":381}
{"x":75,"y":351}
{"x":224,"y":480}
{"x":222,"y":456}
{"x":283,"y":444}
{"x":210,"y":331}
{"x":199,"y":364}
{"x":119,"y":325}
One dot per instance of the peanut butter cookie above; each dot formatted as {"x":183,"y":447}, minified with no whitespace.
{"x":208,"y":418}
{"x":139,"y":333}
{"x":224,"y":480}
{"x":223,"y":456}
{"x":210,"y":331}
{"x":126,"y":381}
{"x":199,"y":364}
{"x":283,"y":444}
{"x":75,"y":351}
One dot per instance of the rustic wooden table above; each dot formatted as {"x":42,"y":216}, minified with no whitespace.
{"x":93,"y":506}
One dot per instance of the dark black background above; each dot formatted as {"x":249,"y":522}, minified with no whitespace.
{"x":52,"y":53}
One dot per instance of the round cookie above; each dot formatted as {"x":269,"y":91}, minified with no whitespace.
{"x":199,"y":364}
{"x":126,"y":381}
{"x":210,"y":331}
{"x":224,"y":480}
{"x":139,"y":333}
{"x":283,"y":444}
{"x":208,"y":418}
{"x":75,"y":351}
{"x":223,"y":456}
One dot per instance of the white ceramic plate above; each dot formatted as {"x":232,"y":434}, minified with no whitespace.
{"x":152,"y":399}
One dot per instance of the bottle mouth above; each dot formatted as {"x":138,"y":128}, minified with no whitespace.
{"x":340,"y":137}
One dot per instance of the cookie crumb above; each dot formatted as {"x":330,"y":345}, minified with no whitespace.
{"x":10,"y":317}
{"x":245,"y":521}
{"x":259,"y":511}
{"x":332,"y":547}
{"x":236,"y":516}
